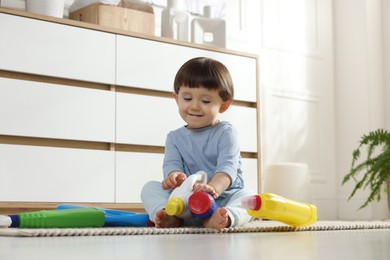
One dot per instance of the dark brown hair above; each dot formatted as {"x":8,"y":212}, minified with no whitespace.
{"x":207,"y":73}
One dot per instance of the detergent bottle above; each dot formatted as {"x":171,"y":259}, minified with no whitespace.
{"x":274,"y":207}
{"x":202,"y":205}
{"x":66,"y":218}
{"x":178,"y":200}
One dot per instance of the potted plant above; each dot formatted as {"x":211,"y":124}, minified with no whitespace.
{"x":373,"y":170}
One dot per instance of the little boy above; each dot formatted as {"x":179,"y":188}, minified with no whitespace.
{"x":203,"y":88}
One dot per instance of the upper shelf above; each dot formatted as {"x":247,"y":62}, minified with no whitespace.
{"x":57,"y":48}
{"x":118,"y":31}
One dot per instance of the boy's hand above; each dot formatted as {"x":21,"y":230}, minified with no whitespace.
{"x":205,"y":188}
{"x":174,"y":180}
{"x":216,"y":186}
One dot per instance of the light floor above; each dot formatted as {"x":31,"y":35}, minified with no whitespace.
{"x":332,"y":245}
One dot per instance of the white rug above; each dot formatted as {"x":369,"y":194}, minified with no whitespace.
{"x":255,"y":226}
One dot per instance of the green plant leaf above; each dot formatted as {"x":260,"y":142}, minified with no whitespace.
{"x":374,"y":169}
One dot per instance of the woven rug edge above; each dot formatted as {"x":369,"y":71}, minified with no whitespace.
{"x":255,"y":226}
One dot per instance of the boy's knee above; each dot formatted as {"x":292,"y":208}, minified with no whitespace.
{"x":150,"y":187}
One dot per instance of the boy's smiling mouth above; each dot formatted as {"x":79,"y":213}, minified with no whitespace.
{"x":194,"y":115}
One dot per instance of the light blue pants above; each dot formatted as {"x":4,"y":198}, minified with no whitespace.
{"x":154,"y":198}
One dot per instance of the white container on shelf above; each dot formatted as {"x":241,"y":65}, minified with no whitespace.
{"x":208,"y":30}
{"x":175,"y":21}
{"x":46,"y":7}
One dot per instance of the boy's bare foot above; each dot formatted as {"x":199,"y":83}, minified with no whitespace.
{"x":163,"y":220}
{"x":218,"y":220}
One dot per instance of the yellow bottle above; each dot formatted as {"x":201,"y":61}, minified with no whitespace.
{"x":274,"y":207}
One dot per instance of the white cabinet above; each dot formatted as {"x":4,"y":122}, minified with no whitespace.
{"x":40,"y":109}
{"x":250,"y":173}
{"x":133,"y":170}
{"x":148,"y":120}
{"x":145,"y":119}
{"x":84,"y":111}
{"x":42,"y":174}
{"x":243,"y":119}
{"x":52,"y":49}
{"x":157,"y":67}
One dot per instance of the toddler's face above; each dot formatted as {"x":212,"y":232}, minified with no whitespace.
{"x":199,"y":107}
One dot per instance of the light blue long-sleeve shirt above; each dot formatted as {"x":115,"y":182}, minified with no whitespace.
{"x":211,"y":149}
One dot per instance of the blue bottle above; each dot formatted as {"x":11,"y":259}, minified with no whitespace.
{"x":202,"y":205}
{"x":116,"y":218}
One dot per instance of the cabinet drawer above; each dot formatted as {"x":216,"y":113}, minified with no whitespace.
{"x":133,"y":170}
{"x":43,"y":174}
{"x":157,"y":68}
{"x":250,"y":174}
{"x":145,"y":120}
{"x":244,"y":120}
{"x":54,"y":111}
{"x":52,"y":49}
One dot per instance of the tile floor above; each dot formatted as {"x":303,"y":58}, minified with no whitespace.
{"x":356,"y":244}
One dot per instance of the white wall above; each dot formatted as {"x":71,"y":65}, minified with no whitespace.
{"x":360,"y":92}
{"x":297,"y":84}
{"x":386,"y":58}
{"x":337,"y":83}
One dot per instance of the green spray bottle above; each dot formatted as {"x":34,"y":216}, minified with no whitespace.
{"x":65,"y":218}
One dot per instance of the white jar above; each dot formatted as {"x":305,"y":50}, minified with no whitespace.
{"x":175,"y":21}
{"x":46,"y":7}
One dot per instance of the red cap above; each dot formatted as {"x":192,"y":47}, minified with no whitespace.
{"x":199,"y":203}
{"x":258,"y":202}
{"x":252,"y":202}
